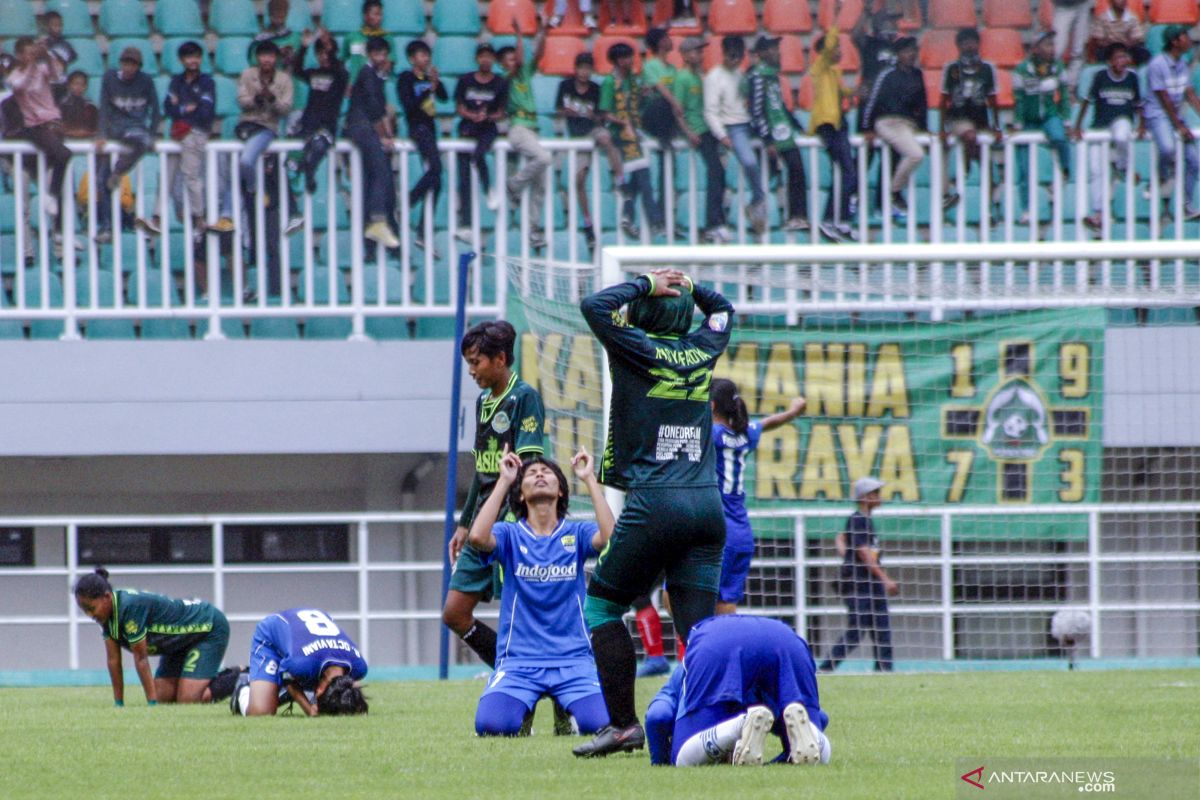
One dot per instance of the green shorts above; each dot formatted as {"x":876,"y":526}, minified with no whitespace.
{"x":201,"y":661}
{"x":472,"y":576}
{"x":677,"y":531}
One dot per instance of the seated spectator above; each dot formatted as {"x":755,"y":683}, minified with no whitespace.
{"x":32,"y":80}
{"x":129,"y":116}
{"x":875,"y":36}
{"x":620,"y":101}
{"x":969,"y":98}
{"x":578,"y":103}
{"x":59,"y":48}
{"x":1168,"y":79}
{"x":1043,"y":102}
{"x":1118,"y":25}
{"x":354,"y":46}
{"x":80,"y":118}
{"x":317,"y":126}
{"x":191,"y":105}
{"x":480,"y":99}
{"x":778,"y":129}
{"x":729,"y":120}
{"x":523,"y":129}
{"x":371,"y":128}
{"x":277,"y":31}
{"x":560,"y":11}
{"x":827,"y":121}
{"x":689,"y":90}
{"x":264,"y":94}
{"x":418,"y":88}
{"x":1116,"y":96}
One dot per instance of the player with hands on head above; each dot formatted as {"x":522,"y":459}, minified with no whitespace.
{"x":546,"y":646}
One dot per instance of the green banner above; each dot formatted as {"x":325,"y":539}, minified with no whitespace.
{"x":999,"y":410}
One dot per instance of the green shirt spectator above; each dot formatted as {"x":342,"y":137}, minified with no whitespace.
{"x":521,"y":108}
{"x":689,"y":90}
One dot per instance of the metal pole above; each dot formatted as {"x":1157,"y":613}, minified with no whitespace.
{"x":460,"y":324}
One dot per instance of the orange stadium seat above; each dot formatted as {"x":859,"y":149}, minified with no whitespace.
{"x":1138,"y":7}
{"x":933,"y":86}
{"x":952,"y":14}
{"x":572,"y":24}
{"x":559,"y":56}
{"x":804,"y":96}
{"x":1001,"y":46}
{"x":1004,"y":89}
{"x":846,"y":19}
{"x":938,"y":48}
{"x":787,"y":92}
{"x":911,"y":21}
{"x":1172,"y":12}
{"x":600,"y":52}
{"x":727,"y":17}
{"x":662,"y":19}
{"x":1007,"y":14}
{"x":1046,"y":14}
{"x":785,"y":16}
{"x":502,"y":12}
{"x":791,"y":54}
{"x":637,"y":26}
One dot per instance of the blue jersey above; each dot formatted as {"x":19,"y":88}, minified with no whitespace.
{"x":732,"y":450}
{"x":305,"y":641}
{"x":541,"y":605}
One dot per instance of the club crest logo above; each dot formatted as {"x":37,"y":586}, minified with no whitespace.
{"x":501,"y":423}
{"x":568,"y":542}
{"x":131,"y":628}
{"x":1016,"y":422}
{"x":719,"y":322}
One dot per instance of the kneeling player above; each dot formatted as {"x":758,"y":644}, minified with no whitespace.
{"x":544,"y":647}
{"x":303,"y":652}
{"x":742,"y":678}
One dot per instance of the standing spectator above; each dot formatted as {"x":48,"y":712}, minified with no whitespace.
{"x":689,"y":89}
{"x":662,"y":113}
{"x":1042,"y":103}
{"x":729,"y":120}
{"x":80,"y":118}
{"x":369,"y":126}
{"x":620,"y":101}
{"x":896,"y":112}
{"x":865,"y":584}
{"x":480,"y":100}
{"x":560,"y":11}
{"x":1071,"y":21}
{"x":1117,"y":97}
{"x":129,"y":116}
{"x":969,"y":98}
{"x":577,"y":102}
{"x":277,"y":31}
{"x":32,"y":80}
{"x":327,"y":84}
{"x":1168,"y":79}
{"x":264,"y":94}
{"x":418,"y":88}
{"x":778,"y":129}
{"x":523,"y":128}
{"x":59,"y":48}
{"x":829,"y":123}
{"x":874,"y":35}
{"x":354,"y":47}
{"x":191,"y":107}
{"x":1117,"y":24}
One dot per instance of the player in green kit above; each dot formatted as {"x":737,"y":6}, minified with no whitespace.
{"x":660,"y":451}
{"x":189,"y":635}
{"x":508,"y":412}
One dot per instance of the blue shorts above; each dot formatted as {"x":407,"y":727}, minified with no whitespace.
{"x":734,"y":569}
{"x":567,"y":684}
{"x":264,"y":661}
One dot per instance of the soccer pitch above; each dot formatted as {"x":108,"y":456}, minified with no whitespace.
{"x":895,"y":736}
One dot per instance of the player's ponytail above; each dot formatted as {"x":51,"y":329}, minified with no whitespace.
{"x":729,"y":404}
{"x":94,"y":585}
{"x":342,"y":696}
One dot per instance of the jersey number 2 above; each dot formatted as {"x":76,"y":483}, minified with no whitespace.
{"x":318,"y":623}
{"x":674,"y":386}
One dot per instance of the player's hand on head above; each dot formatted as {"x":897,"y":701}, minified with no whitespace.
{"x":582,"y":465}
{"x":665,"y":281}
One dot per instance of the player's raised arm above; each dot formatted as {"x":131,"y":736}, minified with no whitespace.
{"x":783,"y":417}
{"x":602,"y":310}
{"x":481,"y":537}
{"x":583,"y":465}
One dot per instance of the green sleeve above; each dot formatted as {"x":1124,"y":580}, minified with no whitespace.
{"x":531,"y":422}
{"x":468,"y":513}
{"x":653,"y":72}
{"x":133,"y":620}
{"x":606,"y":94}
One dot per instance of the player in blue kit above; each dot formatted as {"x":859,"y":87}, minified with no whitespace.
{"x":742,"y":678}
{"x":301,"y":653}
{"x":735,"y":437}
{"x":543,"y":647}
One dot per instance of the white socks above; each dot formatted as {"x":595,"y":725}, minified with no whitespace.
{"x":711,"y":746}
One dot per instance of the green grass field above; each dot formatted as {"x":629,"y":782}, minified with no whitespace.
{"x":893,"y":736}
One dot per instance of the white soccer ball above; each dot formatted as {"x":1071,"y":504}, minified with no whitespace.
{"x":1070,"y":624}
{"x":1015,"y":426}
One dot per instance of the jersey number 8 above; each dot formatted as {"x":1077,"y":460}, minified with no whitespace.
{"x":318,"y":622}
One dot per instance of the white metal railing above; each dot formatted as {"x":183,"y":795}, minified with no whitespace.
{"x":357,"y":606}
{"x":329,"y":274}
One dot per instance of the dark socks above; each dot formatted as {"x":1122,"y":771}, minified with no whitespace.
{"x":482,"y":640}
{"x":616,"y":662}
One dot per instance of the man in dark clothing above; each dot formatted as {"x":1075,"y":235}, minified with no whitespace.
{"x":969,"y":98}
{"x":480,"y":100}
{"x":875,"y":37}
{"x":577,"y":102}
{"x":59,"y":48}
{"x":778,"y":129}
{"x":80,"y":118}
{"x":327,"y":83}
{"x":418,"y":89}
{"x":370,"y":128}
{"x":191,"y":106}
{"x":129,"y":116}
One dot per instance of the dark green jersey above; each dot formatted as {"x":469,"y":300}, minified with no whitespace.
{"x":515,"y":418}
{"x":660,"y":423}
{"x":168,"y":625}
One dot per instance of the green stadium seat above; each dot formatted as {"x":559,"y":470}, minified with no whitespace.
{"x":106,"y":293}
{"x":88,"y":59}
{"x":149,"y":59}
{"x":342,"y":16}
{"x":320,"y":281}
{"x":178,"y":18}
{"x":545,"y":90}
{"x":44,"y":328}
{"x":158,"y":328}
{"x":274,"y":328}
{"x":234,"y":17}
{"x":232,"y":54}
{"x":454,"y":55}
{"x":226,"y":97}
{"x":170,"y":56}
{"x":17,"y":18}
{"x":123,"y":18}
{"x":445,"y":107}
{"x":405,"y":17}
{"x":300,"y":17}
{"x":77,"y":20}
{"x":155,"y":287}
{"x":456,"y":17}
{"x":109,"y":329}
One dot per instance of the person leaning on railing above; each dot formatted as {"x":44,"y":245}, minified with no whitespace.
{"x":968,"y":100}
{"x":129,"y":116}
{"x":1168,"y":79}
{"x":1043,"y":102}
{"x":829,"y":123}
{"x":31,"y":81}
{"x":371,"y":128}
